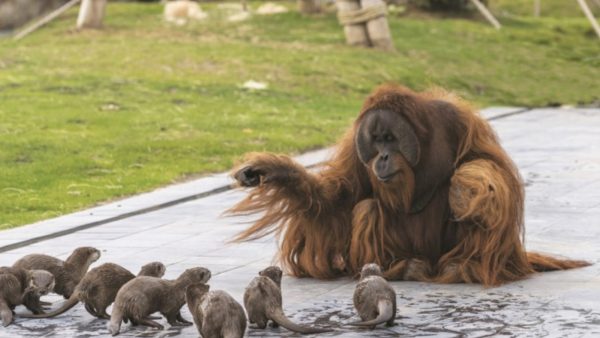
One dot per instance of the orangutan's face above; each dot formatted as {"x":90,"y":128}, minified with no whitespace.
{"x":387,"y":144}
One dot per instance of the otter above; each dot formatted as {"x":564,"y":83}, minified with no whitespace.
{"x":144,"y":295}
{"x":99,"y":287}
{"x":263,"y":302}
{"x":374,"y":298}
{"x":67,"y":274}
{"x":216,"y":313}
{"x":15,"y":283}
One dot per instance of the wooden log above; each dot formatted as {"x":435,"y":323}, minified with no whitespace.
{"x":91,"y":14}
{"x":51,"y":16}
{"x":378,"y":29}
{"x":486,"y":13}
{"x":308,"y":6}
{"x":590,"y":16}
{"x":356,"y":34}
{"x":537,"y":8}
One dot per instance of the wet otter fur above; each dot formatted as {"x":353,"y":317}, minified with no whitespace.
{"x":216,"y":313}
{"x":144,"y":295}
{"x":15,"y":283}
{"x":263,"y":302}
{"x":67,"y":274}
{"x":374,"y":298}
{"x":98,"y":288}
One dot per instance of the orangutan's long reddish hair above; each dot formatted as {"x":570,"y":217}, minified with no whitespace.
{"x":455,"y":220}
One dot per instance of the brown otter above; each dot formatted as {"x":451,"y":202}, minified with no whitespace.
{"x":142,"y":296}
{"x":374,"y":298}
{"x":216,"y":313}
{"x":99,"y":287}
{"x":263,"y":302}
{"x":15,"y":283}
{"x":67,"y":274}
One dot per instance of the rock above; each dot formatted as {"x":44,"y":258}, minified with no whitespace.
{"x":255,"y":85}
{"x":271,"y":8}
{"x":241,"y":16}
{"x":180,"y":11}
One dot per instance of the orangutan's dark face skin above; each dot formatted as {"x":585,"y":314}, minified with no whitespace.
{"x":386,"y":143}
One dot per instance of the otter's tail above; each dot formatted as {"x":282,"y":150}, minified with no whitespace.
{"x":69,"y":303}
{"x":385,"y":310}
{"x":280,"y":318}
{"x":541,"y":263}
{"x":116,"y":317}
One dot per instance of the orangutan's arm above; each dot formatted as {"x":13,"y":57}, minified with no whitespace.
{"x":280,"y":179}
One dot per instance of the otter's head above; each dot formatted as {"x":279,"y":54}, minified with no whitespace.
{"x":41,"y":282}
{"x":154,"y":269}
{"x":272,"y":272}
{"x":195,"y":275}
{"x":85,"y":255}
{"x":195,"y":292}
{"x":370,"y":269}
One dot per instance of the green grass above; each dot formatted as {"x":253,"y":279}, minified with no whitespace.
{"x":92,"y":116}
{"x":548,"y":8}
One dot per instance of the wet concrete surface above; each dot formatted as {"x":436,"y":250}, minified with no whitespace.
{"x":558,"y":153}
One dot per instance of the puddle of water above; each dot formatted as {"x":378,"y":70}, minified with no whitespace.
{"x":448,"y":313}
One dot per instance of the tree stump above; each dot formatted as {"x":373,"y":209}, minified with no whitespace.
{"x":91,"y":14}
{"x":308,"y":6}
{"x":365,"y":23}
{"x":378,"y":28}
{"x":356,"y":33}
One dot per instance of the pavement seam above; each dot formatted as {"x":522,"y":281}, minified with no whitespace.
{"x":516,"y":112}
{"x":119,"y":217}
{"x":164,"y":205}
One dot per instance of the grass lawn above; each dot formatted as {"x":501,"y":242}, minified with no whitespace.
{"x":92,"y":116}
{"x":552,"y":8}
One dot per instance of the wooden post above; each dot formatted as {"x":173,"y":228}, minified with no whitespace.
{"x":537,"y":7}
{"x":308,"y":6}
{"x":590,"y":16}
{"x":91,"y":14}
{"x":46,"y":19}
{"x":356,"y":34}
{"x":486,"y":13}
{"x":378,"y":28}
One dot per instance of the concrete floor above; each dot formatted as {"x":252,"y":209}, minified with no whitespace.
{"x":557,"y":151}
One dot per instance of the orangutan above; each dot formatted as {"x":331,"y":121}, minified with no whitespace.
{"x":419,"y":185}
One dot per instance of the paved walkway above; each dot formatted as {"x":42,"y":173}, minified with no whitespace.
{"x":557,"y":151}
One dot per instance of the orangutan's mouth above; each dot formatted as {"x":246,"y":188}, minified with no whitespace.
{"x":386,"y":178}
